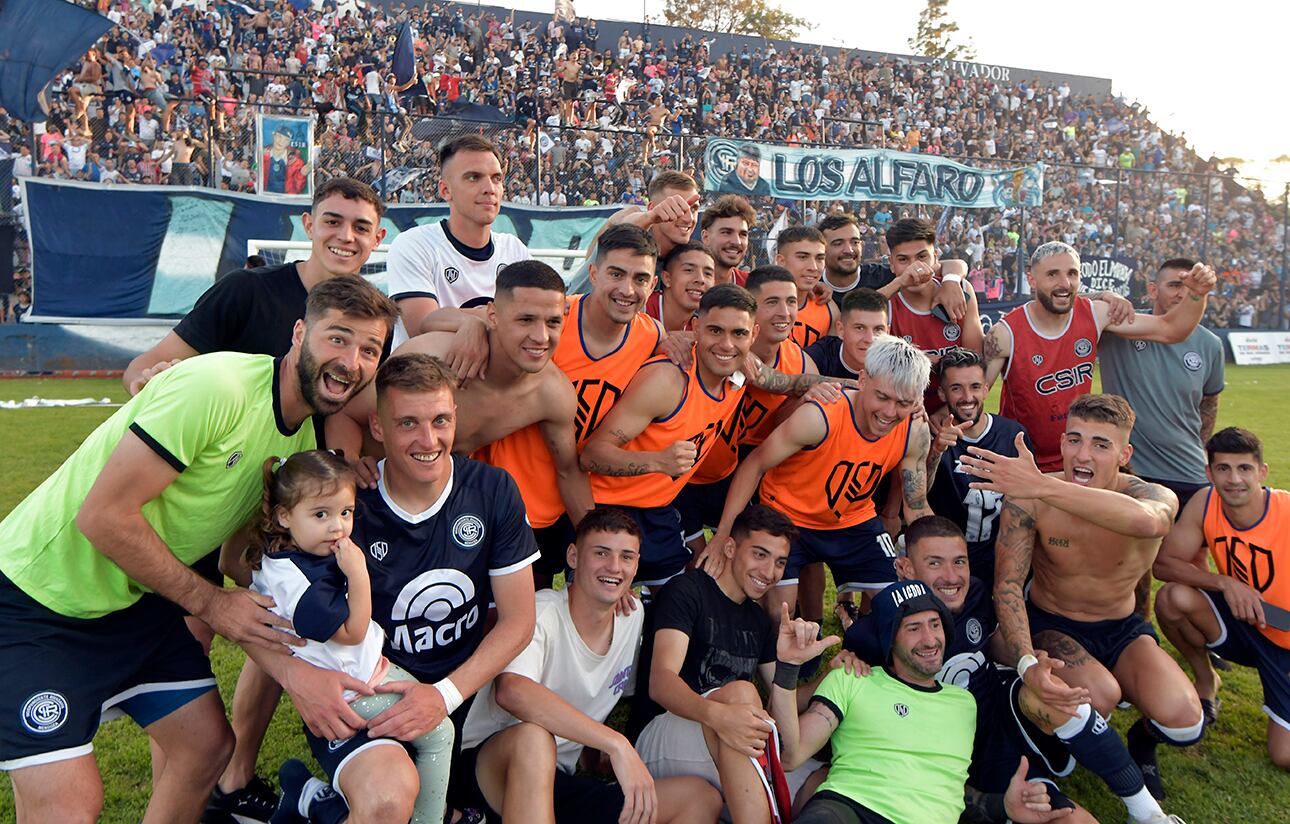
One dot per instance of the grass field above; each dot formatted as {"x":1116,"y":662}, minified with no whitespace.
{"x":1226,"y":778}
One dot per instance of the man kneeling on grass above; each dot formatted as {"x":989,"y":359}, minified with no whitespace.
{"x":525,"y":732}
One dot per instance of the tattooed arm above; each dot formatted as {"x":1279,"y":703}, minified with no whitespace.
{"x":997,"y":349}
{"x":1208,"y":415}
{"x":778,"y":383}
{"x":1012,"y":552}
{"x":800,"y":736}
{"x":655,"y":391}
{"x":913,"y":472}
{"x":982,"y":808}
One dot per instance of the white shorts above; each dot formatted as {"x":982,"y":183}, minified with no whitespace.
{"x":673,"y":746}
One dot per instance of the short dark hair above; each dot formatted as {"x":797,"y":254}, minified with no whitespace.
{"x":1106,"y":408}
{"x":609,"y":519}
{"x":532,"y":274}
{"x":351,"y":296}
{"x":1234,"y":441}
{"x":350,"y":189}
{"x":769,"y":273}
{"x":760,"y":518}
{"x":865,"y":300}
{"x":832,"y":222}
{"x":910,"y":228}
{"x":959,"y":358}
{"x":798,"y":234}
{"x":467,"y":143}
{"x":413,"y":372}
{"x":728,"y":296}
{"x":683,"y":249}
{"x":626,"y":236}
{"x":728,"y":206}
{"x":1179,"y":263}
{"x":669,"y":180}
{"x":255,"y":261}
{"x":931,"y":526}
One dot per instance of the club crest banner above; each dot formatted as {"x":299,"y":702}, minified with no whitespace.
{"x":813,"y":173}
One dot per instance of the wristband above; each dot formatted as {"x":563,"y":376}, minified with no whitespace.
{"x":451,"y":695}
{"x":786,"y":675}
{"x":952,"y":278}
{"x":1024,"y":663}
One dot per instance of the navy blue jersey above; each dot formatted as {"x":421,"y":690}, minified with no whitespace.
{"x":316,"y":585}
{"x":976,"y":511}
{"x":966,"y":663}
{"x":431,"y":571}
{"x":827,"y":354}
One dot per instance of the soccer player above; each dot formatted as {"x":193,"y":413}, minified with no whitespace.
{"x":527,"y":729}
{"x":950,"y":493}
{"x":1243,"y":525}
{"x":822,"y":465}
{"x":454,"y":262}
{"x":898,"y":721}
{"x":914,"y":258}
{"x":711,"y":641}
{"x":521,"y":387}
{"x":937,"y":554}
{"x":1045,"y":348}
{"x":863,"y":317}
{"x":94,"y":575}
{"x":1173,"y":388}
{"x":724,"y":230}
{"x":1087,"y":535}
{"x":800,"y":250}
{"x":443,"y":536}
{"x":688,"y":273}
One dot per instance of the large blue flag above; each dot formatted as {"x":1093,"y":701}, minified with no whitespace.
{"x":404,"y":64}
{"x":38,"y":39}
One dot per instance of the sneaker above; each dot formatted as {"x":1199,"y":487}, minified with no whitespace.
{"x":293,"y":776}
{"x":253,"y":804}
{"x":1157,"y":819}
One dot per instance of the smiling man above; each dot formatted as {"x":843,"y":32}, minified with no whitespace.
{"x":95,"y":571}
{"x":689,"y":271}
{"x":724,"y":230}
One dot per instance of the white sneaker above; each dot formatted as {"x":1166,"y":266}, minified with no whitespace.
{"x":1157,"y":819}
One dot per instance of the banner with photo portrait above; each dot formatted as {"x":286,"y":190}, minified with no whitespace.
{"x":284,"y":151}
{"x":817,"y":173}
{"x":1107,"y":274}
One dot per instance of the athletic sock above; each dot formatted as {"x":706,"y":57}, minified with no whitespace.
{"x":1099,"y":749}
{"x":328,"y":808}
{"x":299,"y":789}
{"x":1142,"y":741}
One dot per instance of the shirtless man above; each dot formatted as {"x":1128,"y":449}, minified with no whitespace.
{"x":1080,"y":605}
{"x":570,"y":87}
{"x":658,"y":114}
{"x":522,"y":386}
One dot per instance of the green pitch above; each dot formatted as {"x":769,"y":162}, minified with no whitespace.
{"x":1227,"y":777}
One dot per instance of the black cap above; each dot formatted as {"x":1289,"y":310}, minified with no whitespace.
{"x":907,"y":598}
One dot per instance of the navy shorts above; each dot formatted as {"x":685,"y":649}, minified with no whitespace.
{"x":553,"y":544}
{"x":64,"y":676}
{"x":578,"y":798}
{"x":700,"y":506}
{"x":663,"y":550}
{"x":1104,"y":640}
{"x":860,"y":557}
{"x":1243,"y":644}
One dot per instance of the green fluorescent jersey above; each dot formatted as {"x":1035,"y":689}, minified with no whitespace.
{"x":215,"y":419}
{"x":891,"y":729}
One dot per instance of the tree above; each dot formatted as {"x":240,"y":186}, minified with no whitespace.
{"x":756,"y":17}
{"x":936,"y":33}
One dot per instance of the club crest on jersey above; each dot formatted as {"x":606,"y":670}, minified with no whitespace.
{"x":468,"y":531}
{"x":973,"y":630}
{"x":1140,"y":345}
{"x":1037,"y":360}
{"x":451,"y":274}
{"x":233,"y":459}
{"x":953,"y":331}
{"x":1193,"y":361}
{"x":44,"y":712}
{"x":901,"y":709}
{"x":379,"y":550}
{"x":1083,"y":347}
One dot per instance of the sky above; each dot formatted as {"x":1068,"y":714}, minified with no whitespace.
{"x":1205,"y":69}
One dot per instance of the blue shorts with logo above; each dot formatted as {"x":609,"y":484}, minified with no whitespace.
{"x":860,"y":557}
{"x":63,"y":676}
{"x":1243,"y":644}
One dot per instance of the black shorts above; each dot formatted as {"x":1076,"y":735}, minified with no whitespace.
{"x":569,"y":91}
{"x":700,"y":506}
{"x":578,"y":799}
{"x":1004,"y":734}
{"x":828,"y":807}
{"x":1182,"y":489}
{"x":663,"y":550}
{"x":1104,"y":640}
{"x":64,"y":676}
{"x":862,"y":556}
{"x":553,"y":544}
{"x":1243,"y":644}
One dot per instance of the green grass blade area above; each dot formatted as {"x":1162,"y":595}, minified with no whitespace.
{"x":1226,"y":778}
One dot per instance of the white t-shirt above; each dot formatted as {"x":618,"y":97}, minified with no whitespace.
{"x":426,"y":262}
{"x":558,"y":659}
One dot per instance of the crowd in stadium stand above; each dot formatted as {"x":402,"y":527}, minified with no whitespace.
{"x":616,"y":108}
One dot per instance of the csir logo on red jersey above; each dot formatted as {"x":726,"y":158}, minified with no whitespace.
{"x":1062,"y":379}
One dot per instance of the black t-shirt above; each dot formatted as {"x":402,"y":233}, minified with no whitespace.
{"x":868,"y":276}
{"x":727,"y":640}
{"x":247,"y":310}
{"x":827,"y":355}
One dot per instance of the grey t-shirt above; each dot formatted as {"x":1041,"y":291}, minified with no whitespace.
{"x":1164,"y":383}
